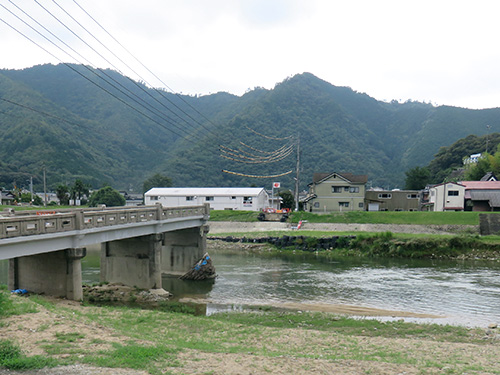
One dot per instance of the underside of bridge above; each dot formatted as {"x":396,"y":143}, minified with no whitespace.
{"x":137,"y":262}
{"x":58,"y":273}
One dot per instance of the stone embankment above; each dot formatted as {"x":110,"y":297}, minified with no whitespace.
{"x":217,"y":227}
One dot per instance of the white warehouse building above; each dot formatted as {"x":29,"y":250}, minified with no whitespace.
{"x":219,"y":198}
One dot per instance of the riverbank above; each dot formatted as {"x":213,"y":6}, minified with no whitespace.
{"x":108,"y":340}
{"x":218,"y":227}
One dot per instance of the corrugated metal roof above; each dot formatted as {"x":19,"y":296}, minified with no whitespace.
{"x":493,"y":197}
{"x":205,"y":191}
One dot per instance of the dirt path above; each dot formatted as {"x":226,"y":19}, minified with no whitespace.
{"x":234,"y":227}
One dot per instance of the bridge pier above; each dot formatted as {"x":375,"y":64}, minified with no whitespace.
{"x":58,"y":273}
{"x":183,"y":248}
{"x":133,"y":261}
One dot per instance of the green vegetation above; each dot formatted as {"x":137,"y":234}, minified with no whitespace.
{"x":362,"y":217}
{"x":107,"y":196}
{"x":385,"y":245}
{"x":104,"y":141}
{"x":157,"y":180}
{"x":158,"y":341}
{"x":11,"y":357}
{"x":230,"y":215}
{"x":392,"y":217}
{"x":452,"y":157}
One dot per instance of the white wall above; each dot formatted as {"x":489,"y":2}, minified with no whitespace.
{"x":440,"y":196}
{"x":218,"y":203}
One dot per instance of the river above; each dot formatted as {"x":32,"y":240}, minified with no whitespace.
{"x":453,"y":292}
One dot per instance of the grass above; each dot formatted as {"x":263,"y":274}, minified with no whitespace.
{"x":154,"y":340}
{"x":385,"y":244}
{"x":392,"y":217}
{"x":10,"y":307}
{"x":362,"y":217}
{"x":232,"y":215}
{"x":11,"y":357}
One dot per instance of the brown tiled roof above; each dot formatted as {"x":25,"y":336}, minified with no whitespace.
{"x":363,"y":178}
{"x":481,"y":185}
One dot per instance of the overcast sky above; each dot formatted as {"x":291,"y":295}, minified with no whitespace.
{"x":444,"y":52}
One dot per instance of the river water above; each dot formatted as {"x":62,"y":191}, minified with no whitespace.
{"x":458,"y":292}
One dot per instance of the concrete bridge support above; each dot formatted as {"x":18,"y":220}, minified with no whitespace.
{"x":182,"y":248}
{"x":58,"y":273}
{"x":133,"y":261}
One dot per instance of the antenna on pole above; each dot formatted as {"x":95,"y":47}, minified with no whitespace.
{"x":297,"y":173}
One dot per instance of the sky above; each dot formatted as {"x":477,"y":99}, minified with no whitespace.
{"x":443,"y":52}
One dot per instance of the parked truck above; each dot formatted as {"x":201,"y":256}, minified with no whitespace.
{"x":272,"y":214}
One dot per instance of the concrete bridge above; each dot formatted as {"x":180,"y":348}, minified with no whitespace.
{"x":138,"y":244}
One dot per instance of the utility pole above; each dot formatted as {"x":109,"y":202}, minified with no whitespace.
{"x":44,"y":188}
{"x":297,"y":173}
{"x":31,"y":188}
{"x":488,"y":127}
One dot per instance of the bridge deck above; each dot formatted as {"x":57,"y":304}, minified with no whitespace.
{"x":33,"y":232}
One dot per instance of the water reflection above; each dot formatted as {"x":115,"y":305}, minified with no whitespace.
{"x":463,"y":292}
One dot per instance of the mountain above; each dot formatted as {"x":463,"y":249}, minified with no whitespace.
{"x":102,"y":127}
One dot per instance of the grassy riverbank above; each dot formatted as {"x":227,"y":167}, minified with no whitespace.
{"x":362,"y":217}
{"x":37,"y":332}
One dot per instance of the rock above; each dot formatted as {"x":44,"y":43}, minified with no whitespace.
{"x":493,"y":326}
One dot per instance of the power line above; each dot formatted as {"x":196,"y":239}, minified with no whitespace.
{"x":257,"y":176}
{"x":79,"y":73}
{"x":145,"y":67}
{"x":115,"y":67}
{"x":152,"y":110}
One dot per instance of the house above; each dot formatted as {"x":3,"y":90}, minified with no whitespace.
{"x":392,"y":200}
{"x":490,"y":176}
{"x":7,"y":198}
{"x":132,"y":199}
{"x":219,"y":198}
{"x":331,"y":192}
{"x":482,"y":195}
{"x":448,"y":196}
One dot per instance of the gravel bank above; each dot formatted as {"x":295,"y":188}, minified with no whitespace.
{"x":217,"y":227}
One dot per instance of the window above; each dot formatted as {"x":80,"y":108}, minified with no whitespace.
{"x":346,"y":188}
{"x":412,"y":196}
{"x":453,"y":193}
{"x":247,"y":200}
{"x":361,"y":205}
{"x":336,"y":189}
{"x":190,"y":198}
{"x":154,"y":197}
{"x":233,"y":197}
{"x":209,"y":198}
{"x":385,"y":196}
{"x":343,"y":204}
{"x":354,"y":189}
{"x":316,"y":204}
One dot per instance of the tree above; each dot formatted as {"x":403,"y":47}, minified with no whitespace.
{"x":26,"y":198}
{"x":157,"y":180}
{"x":108,"y":196}
{"x":288,"y":200}
{"x":417,"y":178}
{"x":78,"y":190}
{"x":62,"y":193}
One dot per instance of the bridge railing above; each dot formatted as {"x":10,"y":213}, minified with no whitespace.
{"x":26,"y":223}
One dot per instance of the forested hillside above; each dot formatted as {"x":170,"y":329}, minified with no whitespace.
{"x":123,"y":132}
